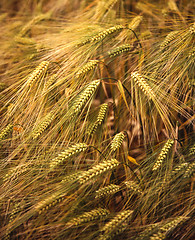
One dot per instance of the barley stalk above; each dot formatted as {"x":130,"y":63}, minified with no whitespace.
{"x":68,"y":153}
{"x":97,"y":170}
{"x":141,"y":82}
{"x":116,"y":225}
{"x":38,"y":73}
{"x":6,"y":131}
{"x":117,"y":141}
{"x":108,"y":190}
{"x":89,"y":216}
{"x":84,"y":96}
{"x":41,"y":127}
{"x":87,"y":67}
{"x":163,"y":154}
{"x":119,"y":50}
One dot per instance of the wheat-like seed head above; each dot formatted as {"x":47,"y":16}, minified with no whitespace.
{"x":6,"y":131}
{"x":84,"y":96}
{"x":162,"y":231}
{"x":71,"y":177}
{"x":89,"y":216}
{"x":117,"y":141}
{"x":192,"y":150}
{"x":141,"y":82}
{"x":133,"y":186}
{"x":87,"y":67}
{"x":135,"y":22}
{"x":102,"y":113}
{"x":189,"y":170}
{"x":192,"y":29}
{"x":50,"y":81}
{"x":38,"y":73}
{"x":169,"y":38}
{"x":69,"y":152}
{"x":41,"y":127}
{"x":178,"y":169}
{"x":108,"y":190}
{"x":119,"y":50}
{"x":163,"y":154}
{"x":115,"y":224}
{"x":97,"y":170}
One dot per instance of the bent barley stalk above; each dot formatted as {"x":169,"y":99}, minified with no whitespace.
{"x":98,"y":170}
{"x":94,"y":214}
{"x":163,"y":154}
{"x":69,"y":152}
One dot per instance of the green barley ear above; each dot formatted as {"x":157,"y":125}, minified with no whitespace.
{"x":133,"y":186}
{"x":84,"y":96}
{"x":168,"y":145}
{"x":87,"y":67}
{"x":117,"y":141}
{"x":116,"y":225}
{"x":98,"y":170}
{"x":141,"y":82}
{"x":169,"y":38}
{"x":162,"y":231}
{"x":68,"y":153}
{"x":189,"y":170}
{"x":42,"y":126}
{"x":6,"y":131}
{"x":38,"y":73}
{"x":119,"y":50}
{"x":95,"y":214}
{"x":108,"y":190}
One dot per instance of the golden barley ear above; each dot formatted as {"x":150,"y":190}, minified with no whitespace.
{"x":141,"y":82}
{"x":97,"y":170}
{"x":99,"y":213}
{"x":42,"y":126}
{"x":86,"y":68}
{"x":108,"y":190}
{"x":37,"y":74}
{"x":119,"y":50}
{"x":166,"y":148}
{"x":169,"y":38}
{"x":83,"y":98}
{"x":68,"y":153}
{"x":117,"y":141}
{"x":6,"y":131}
{"x":133,"y":187}
{"x":117,"y":225}
{"x":189,"y":170}
{"x":162,"y":231}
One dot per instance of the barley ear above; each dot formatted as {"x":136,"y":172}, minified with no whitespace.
{"x":117,"y":141}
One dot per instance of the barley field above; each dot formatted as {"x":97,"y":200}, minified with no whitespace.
{"x":97,"y":134}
